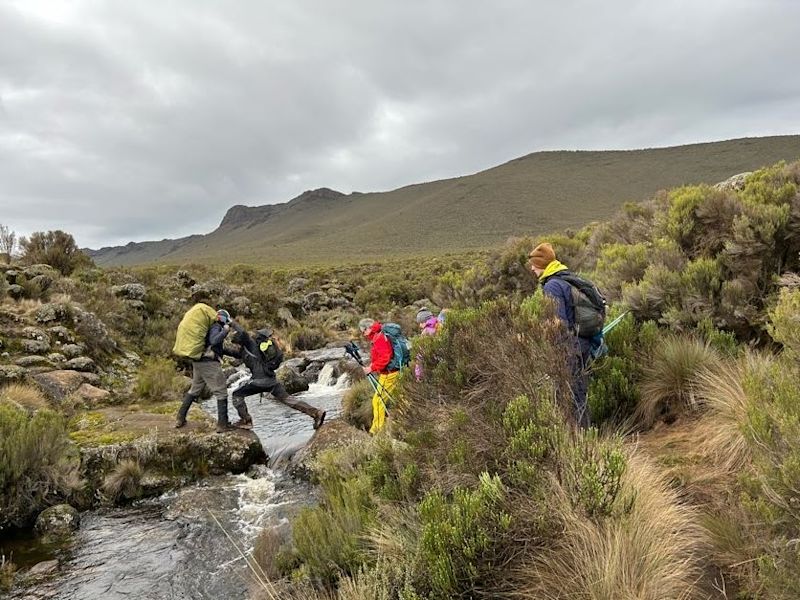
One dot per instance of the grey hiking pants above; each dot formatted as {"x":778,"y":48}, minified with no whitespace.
{"x":207,"y":373}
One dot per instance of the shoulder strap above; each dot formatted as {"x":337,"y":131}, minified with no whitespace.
{"x":587,"y":288}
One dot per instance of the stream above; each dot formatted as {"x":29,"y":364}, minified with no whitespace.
{"x":171,"y":547}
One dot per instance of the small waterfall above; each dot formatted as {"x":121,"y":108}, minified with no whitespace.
{"x":327,"y":376}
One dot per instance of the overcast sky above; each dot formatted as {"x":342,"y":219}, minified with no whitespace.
{"x":137,"y":120}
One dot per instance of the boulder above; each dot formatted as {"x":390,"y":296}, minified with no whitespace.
{"x":324,"y":354}
{"x":34,"y":333}
{"x":81,"y":363}
{"x":298,"y":364}
{"x":56,"y":357}
{"x":91,"y":327}
{"x":11,"y":374}
{"x":734,"y":183}
{"x":136,"y":305}
{"x":216,"y":289}
{"x":129,"y":291}
{"x":11,"y":275}
{"x":34,"y":360}
{"x":298,"y":284}
{"x":40,"y":269}
{"x":333,"y":434}
{"x":339,"y":302}
{"x":57,"y":521}
{"x":285,"y":316}
{"x":61,"y":333}
{"x":241,"y":306}
{"x":44,"y":568}
{"x":35,"y":346}
{"x":93,"y":395}
{"x":57,"y":385}
{"x":311,"y":373}
{"x":43,"y":282}
{"x":185,"y":279}
{"x":15,"y":291}
{"x":292,"y":380}
{"x":72,"y":350}
{"x":182,"y":455}
{"x":54,"y":311}
{"x":337,"y":323}
{"x":315,"y":301}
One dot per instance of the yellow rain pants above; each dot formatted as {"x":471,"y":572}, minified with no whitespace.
{"x":386,"y":385}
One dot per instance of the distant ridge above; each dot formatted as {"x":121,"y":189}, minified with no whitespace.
{"x":533,"y":194}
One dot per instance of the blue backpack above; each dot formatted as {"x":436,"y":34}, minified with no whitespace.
{"x":401,"y":355}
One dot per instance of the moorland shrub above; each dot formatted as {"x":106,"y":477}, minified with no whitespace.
{"x":55,"y":248}
{"x":157,"y":380}
{"x":38,"y":463}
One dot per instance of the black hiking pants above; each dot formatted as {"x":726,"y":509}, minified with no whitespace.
{"x":274,"y":387}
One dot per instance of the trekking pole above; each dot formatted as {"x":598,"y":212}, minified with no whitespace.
{"x":614,"y":323}
{"x":352,"y":350}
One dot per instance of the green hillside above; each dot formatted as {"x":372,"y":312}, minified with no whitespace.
{"x":540,"y":192}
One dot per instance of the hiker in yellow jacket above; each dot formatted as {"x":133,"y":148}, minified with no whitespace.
{"x":200,"y":337}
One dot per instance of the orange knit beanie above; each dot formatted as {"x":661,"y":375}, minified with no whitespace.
{"x":542,"y":255}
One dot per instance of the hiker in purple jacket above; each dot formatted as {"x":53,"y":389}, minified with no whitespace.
{"x":428,"y":325}
{"x":546,"y":268}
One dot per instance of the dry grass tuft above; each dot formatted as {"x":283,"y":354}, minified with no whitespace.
{"x":24,"y":395}
{"x":722,"y":390}
{"x":124,"y":482}
{"x":357,"y":405}
{"x":650,"y":553}
{"x":669,"y":383}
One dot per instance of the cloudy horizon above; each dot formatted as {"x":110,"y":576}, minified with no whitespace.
{"x":142,"y":121}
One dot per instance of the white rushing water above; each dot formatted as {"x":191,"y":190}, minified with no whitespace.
{"x":172,"y":547}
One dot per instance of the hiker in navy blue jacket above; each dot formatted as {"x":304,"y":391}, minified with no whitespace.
{"x":546,"y":268}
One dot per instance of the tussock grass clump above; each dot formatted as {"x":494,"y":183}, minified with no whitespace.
{"x":722,"y":391}
{"x":24,"y":395}
{"x":649,"y":552}
{"x":357,"y":405}
{"x":157,"y":379}
{"x":38,"y":463}
{"x":124,"y":482}
{"x":669,"y":382}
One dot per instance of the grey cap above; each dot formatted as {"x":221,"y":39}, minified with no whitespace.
{"x":423,"y":314}
{"x":265,"y":332}
{"x":365,"y":324}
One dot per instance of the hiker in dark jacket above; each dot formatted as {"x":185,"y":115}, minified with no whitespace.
{"x":546,"y":267}
{"x":207,"y":371}
{"x":262,"y":356}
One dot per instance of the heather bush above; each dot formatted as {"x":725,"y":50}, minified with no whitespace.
{"x":459,"y":534}
{"x":504,"y":272}
{"x":55,"y":248}
{"x":38,"y":463}
{"x":157,"y":379}
{"x":306,"y":338}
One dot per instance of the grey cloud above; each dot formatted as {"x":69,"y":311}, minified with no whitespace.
{"x":144,"y":120}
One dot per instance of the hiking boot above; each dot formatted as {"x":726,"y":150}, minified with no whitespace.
{"x":224,"y":427}
{"x":246,"y":423}
{"x":180,"y":423}
{"x":319,"y":419}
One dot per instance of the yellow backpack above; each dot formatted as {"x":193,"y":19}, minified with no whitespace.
{"x":191,"y":338}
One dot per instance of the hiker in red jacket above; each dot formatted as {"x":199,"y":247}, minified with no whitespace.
{"x":386,"y":378}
